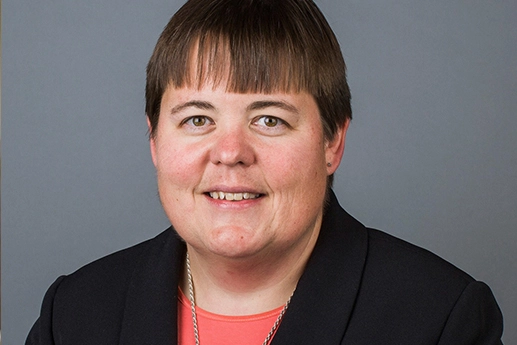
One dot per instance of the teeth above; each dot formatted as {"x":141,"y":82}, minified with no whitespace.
{"x":233,"y":196}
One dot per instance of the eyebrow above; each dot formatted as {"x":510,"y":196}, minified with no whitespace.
{"x":194,"y":104}
{"x":259,"y":105}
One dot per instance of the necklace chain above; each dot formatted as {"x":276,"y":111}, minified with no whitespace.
{"x":194,"y":314}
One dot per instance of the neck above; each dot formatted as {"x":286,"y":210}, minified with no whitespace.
{"x":245,"y":286}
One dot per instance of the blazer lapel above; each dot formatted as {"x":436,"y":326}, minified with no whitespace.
{"x":150,"y":313}
{"x":323,"y":302}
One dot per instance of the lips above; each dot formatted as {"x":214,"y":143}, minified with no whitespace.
{"x":233,"y":196}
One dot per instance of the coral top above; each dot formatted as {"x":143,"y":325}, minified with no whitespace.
{"x":217,"y":329}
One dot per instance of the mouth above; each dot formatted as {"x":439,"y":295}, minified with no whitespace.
{"x":233,"y":196}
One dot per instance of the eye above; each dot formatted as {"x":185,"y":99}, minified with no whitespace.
{"x":197,"y":121}
{"x":197,"y":124}
{"x":270,"y":125}
{"x":269,"y":121}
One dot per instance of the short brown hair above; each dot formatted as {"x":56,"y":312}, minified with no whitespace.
{"x":252,"y":46}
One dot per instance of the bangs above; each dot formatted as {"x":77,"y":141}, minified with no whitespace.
{"x":243,"y":65}
{"x":271,"y":50}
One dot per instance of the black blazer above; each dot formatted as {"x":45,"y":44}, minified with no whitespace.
{"x":360,"y":286}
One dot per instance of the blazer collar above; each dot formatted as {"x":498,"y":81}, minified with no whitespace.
{"x":323,"y":302}
{"x":320,"y":308}
{"x":150,"y":313}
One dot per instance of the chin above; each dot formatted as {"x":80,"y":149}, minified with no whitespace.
{"x":234,"y":242}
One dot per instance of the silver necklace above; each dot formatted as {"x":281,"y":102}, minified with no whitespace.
{"x":194,"y":315}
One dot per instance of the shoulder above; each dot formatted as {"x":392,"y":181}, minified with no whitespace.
{"x":112,"y":272}
{"x":410,"y":274}
{"x":404,"y":284}
{"x":386,"y":257}
{"x":88,"y":305}
{"x":97,"y":293}
{"x":404,"y":260}
{"x":387,"y":261}
{"x":110,"y":269}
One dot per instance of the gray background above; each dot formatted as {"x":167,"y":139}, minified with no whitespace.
{"x":430,"y":157}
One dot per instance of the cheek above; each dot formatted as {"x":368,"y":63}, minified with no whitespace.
{"x":177,"y":164}
{"x":300,"y":164}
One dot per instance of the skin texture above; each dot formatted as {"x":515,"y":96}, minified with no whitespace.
{"x":270,"y":145}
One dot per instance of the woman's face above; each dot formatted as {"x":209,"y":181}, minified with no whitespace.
{"x":242,"y":174}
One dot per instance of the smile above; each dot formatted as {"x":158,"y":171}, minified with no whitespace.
{"x":233,"y":196}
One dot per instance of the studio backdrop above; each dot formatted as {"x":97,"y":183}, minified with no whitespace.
{"x":431,"y":154}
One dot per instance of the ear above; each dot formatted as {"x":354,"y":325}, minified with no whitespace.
{"x":334,"y":149}
{"x":152,"y":142}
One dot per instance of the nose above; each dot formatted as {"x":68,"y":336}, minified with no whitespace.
{"x":233,"y":148}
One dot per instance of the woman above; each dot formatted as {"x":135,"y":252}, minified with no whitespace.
{"x":248,"y":107}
